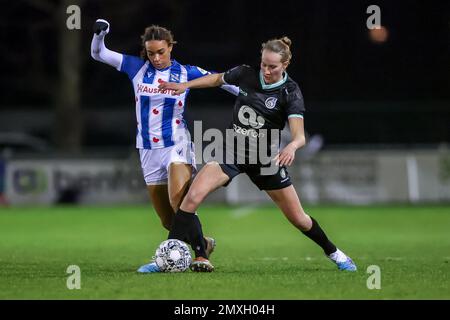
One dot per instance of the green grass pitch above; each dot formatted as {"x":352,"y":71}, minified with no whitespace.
{"x":259,"y":255}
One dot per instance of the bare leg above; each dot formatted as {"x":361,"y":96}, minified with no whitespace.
{"x":207,"y":180}
{"x":160,"y":199}
{"x":179,"y":179}
{"x":186,"y":224}
{"x":167,"y":198}
{"x":289,"y":203}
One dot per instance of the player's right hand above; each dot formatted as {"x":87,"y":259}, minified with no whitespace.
{"x":101,"y":27}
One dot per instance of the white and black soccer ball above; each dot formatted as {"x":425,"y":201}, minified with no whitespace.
{"x":173,"y":256}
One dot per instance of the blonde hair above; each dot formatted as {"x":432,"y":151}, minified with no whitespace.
{"x":282,"y":46}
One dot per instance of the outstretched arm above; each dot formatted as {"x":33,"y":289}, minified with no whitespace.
{"x":211,"y":80}
{"x":98,"y":49}
{"x":287,"y":155}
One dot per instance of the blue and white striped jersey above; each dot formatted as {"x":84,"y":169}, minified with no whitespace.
{"x":159,"y":114}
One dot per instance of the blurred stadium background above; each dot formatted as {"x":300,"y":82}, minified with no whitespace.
{"x":378,"y":125}
{"x":378,"y":111}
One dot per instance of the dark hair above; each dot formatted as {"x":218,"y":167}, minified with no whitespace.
{"x":281,"y":46}
{"x":155,"y":32}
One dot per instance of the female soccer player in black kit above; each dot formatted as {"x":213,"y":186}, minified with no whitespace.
{"x":268,"y":99}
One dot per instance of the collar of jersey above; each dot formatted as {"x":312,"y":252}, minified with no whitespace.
{"x":273,"y":85}
{"x":166,"y":68}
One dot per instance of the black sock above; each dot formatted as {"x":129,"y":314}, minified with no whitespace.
{"x":179,"y":228}
{"x":317,"y":235}
{"x":186,"y":226}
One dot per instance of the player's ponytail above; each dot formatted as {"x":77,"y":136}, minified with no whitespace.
{"x":155,"y":32}
{"x":281,"y":46}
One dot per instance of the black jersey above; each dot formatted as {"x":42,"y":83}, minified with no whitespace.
{"x":260,"y":108}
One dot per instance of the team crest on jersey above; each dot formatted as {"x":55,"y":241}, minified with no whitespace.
{"x":174,"y":77}
{"x":149,"y":74}
{"x":271,"y":102}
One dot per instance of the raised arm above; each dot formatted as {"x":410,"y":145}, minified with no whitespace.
{"x":208,"y":81}
{"x":98,"y":49}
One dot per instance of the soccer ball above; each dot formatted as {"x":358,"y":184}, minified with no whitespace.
{"x":173,"y":256}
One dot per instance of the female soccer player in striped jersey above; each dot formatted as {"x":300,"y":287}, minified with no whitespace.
{"x":163,"y":140}
{"x":268,"y":99}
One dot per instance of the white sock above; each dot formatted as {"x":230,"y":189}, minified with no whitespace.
{"x":338,"y":256}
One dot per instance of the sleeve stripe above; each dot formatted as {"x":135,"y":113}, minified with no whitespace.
{"x":295,"y":116}
{"x":223,"y":79}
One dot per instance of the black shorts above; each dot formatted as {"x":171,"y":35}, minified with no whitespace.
{"x":276,"y":181}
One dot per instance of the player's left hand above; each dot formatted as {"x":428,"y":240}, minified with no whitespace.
{"x":101,"y":27}
{"x":286,"y":156}
{"x":177,"y":88}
